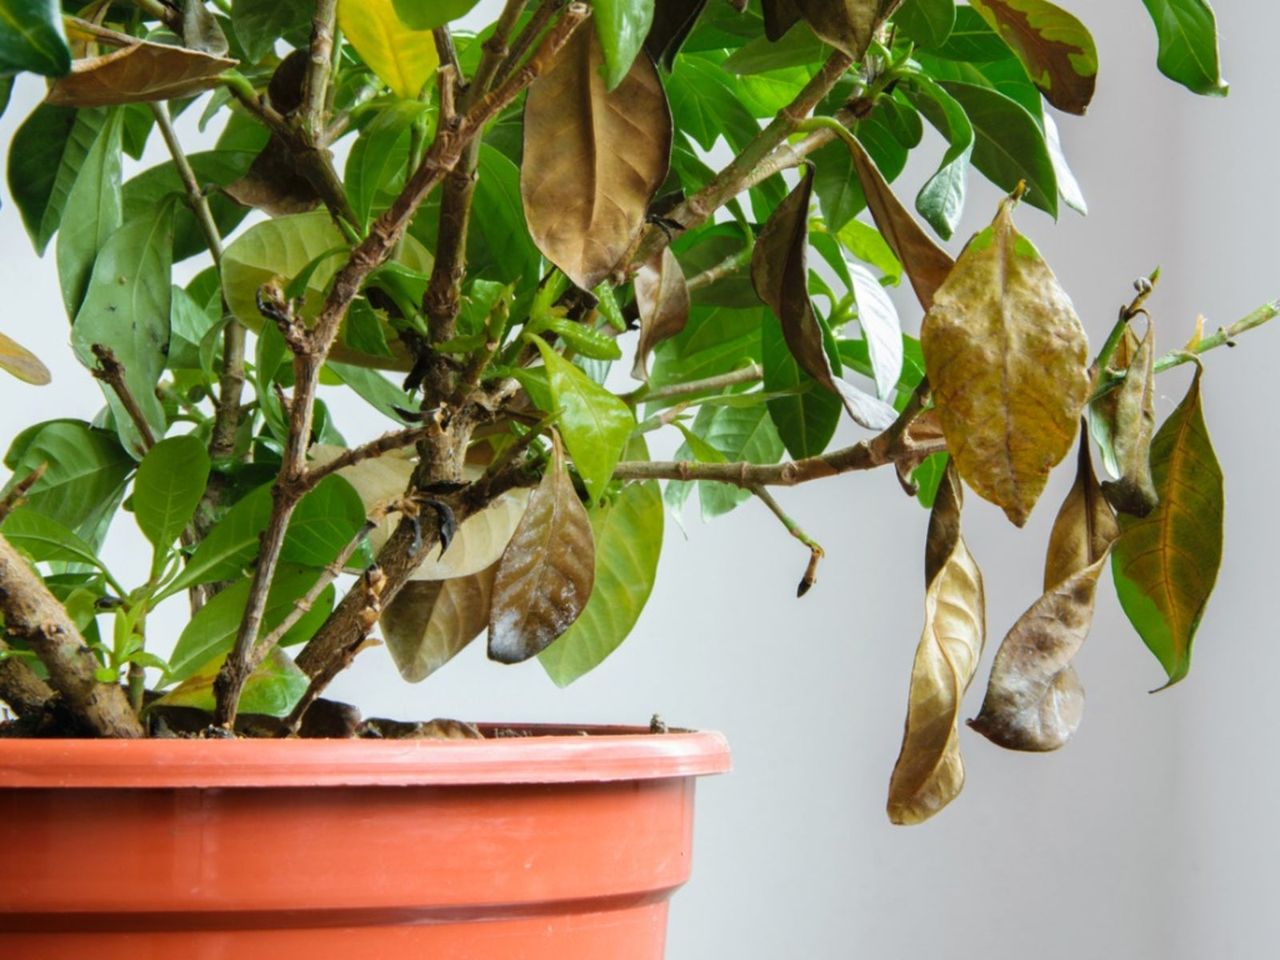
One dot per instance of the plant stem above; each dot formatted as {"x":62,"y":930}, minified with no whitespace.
{"x":20,"y":687}
{"x":315,"y":85}
{"x":396,"y":440}
{"x":14,"y":498}
{"x":111,"y":372}
{"x":34,"y":614}
{"x":751,"y":373}
{"x":816,"y":553}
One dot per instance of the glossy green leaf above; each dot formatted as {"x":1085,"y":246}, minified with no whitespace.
{"x":1188,"y":32}
{"x":1056,"y":48}
{"x":628,"y":537}
{"x":621,"y":26}
{"x":211,"y":632}
{"x":971,"y":40}
{"x":45,"y":158}
{"x":168,"y":487}
{"x":44,"y":539}
{"x":881,"y":328}
{"x":379,"y":157}
{"x":595,"y":423}
{"x":738,"y":434}
{"x":716,"y":340}
{"x":31,"y":38}
{"x":95,"y":197}
{"x":927,"y":22}
{"x":807,"y":420}
{"x":941,"y":200}
{"x":273,"y":690}
{"x":429,"y":14}
{"x":867,"y":244}
{"x":126,"y":308}
{"x":259,"y":23}
{"x":1165,"y":564}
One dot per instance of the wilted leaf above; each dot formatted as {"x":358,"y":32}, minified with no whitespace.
{"x":31,"y":38}
{"x":1165,"y":564}
{"x":1006,"y":357}
{"x":780,"y":272}
{"x":143,"y":71}
{"x":1056,"y":48}
{"x":1188,"y":32}
{"x":201,"y":30}
{"x":546,"y":574}
{"x":673,"y":20}
{"x":404,"y":59}
{"x":927,"y":265}
{"x":1102,"y":411}
{"x":593,"y":159}
{"x":1132,"y":424}
{"x":430,"y":621}
{"x":663,"y":301}
{"x":929,"y":772}
{"x":849,"y":25}
{"x":1034,"y":698}
{"x":22,"y":363}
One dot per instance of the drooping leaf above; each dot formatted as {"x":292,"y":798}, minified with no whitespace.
{"x":663,"y":300}
{"x":673,"y":21}
{"x":1165,"y":564}
{"x":806,"y":418}
{"x":590,"y":172}
{"x":31,"y":38}
{"x":201,"y":29}
{"x":595,"y":423}
{"x":780,"y":272}
{"x":430,"y":621}
{"x":941,"y":199}
{"x":94,"y":195}
{"x":928,"y":22}
{"x":404,"y":59}
{"x":1131,"y":428}
{"x":168,"y":488}
{"x":545,"y":577}
{"x":141,"y":72}
{"x":259,"y":23}
{"x":22,"y":363}
{"x":849,"y":25}
{"x":272,"y":690}
{"x":926,"y":264}
{"x":621,"y":26}
{"x":126,"y":308}
{"x":1006,"y":356}
{"x":1102,"y":411}
{"x":1056,"y":48}
{"x":881,"y":327}
{"x":1034,"y":698}
{"x":45,"y":157}
{"x":1188,"y":32}
{"x":628,"y":540}
{"x":929,"y":772}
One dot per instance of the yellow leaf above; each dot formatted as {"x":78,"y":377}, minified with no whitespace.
{"x":22,"y":363}
{"x":404,"y":59}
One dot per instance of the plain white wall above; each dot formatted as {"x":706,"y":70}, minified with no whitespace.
{"x":1150,"y":834}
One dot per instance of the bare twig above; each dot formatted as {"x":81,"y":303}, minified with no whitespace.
{"x":111,"y":372}
{"x":20,"y":688}
{"x":751,"y":373}
{"x":396,"y":440}
{"x":34,"y":614}
{"x":510,"y":59}
{"x":816,"y":553}
{"x":315,"y":85}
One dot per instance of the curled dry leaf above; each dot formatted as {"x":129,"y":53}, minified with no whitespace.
{"x":673,"y":21}
{"x":1166,"y":563}
{"x":780,"y":274}
{"x":929,"y":773}
{"x":1007,"y":359}
{"x":1056,"y":48}
{"x":1132,"y":415}
{"x":22,"y":363}
{"x":927,"y":265}
{"x":143,"y":71}
{"x":593,"y":159}
{"x":848,"y":25}
{"x":1102,"y":411}
{"x":430,"y":621}
{"x":547,"y":572}
{"x":662,"y":298}
{"x":1034,"y":698}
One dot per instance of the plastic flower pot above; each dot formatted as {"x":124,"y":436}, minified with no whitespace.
{"x":557,"y":845}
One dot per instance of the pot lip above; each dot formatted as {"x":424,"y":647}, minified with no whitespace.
{"x":552,"y":754}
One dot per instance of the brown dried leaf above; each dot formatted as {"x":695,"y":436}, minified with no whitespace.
{"x":779,"y":17}
{"x":673,"y":20}
{"x":593,"y":159}
{"x":929,"y":773}
{"x":431,"y":621}
{"x":275,"y":183}
{"x":848,"y":25}
{"x":143,"y":71}
{"x":1007,"y":359}
{"x":663,"y":301}
{"x":780,"y":274}
{"x":546,"y":574}
{"x":926,"y":264}
{"x":1034,"y":698}
{"x":1132,"y":425}
{"x":1056,"y":48}
{"x":22,"y":363}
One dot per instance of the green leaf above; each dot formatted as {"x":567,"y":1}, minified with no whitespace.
{"x":230,"y":545}
{"x":941,"y":199}
{"x":273,"y":690}
{"x":595,"y":424}
{"x":705,"y":105}
{"x":499,"y":246}
{"x":628,"y":537}
{"x":31,"y":38}
{"x":45,"y":539}
{"x":622,"y":26}
{"x":379,"y":157}
{"x":867,"y":244}
{"x":403,"y":58}
{"x":1010,"y":145}
{"x":1165,"y":564}
{"x":738,"y":434}
{"x":375,"y":389}
{"x":168,"y":488}
{"x":45,"y":157}
{"x":799,"y":47}
{"x":1056,"y":48}
{"x":259,"y":23}
{"x":715,"y":340}
{"x":807,"y":421}
{"x":212,"y":631}
{"x":927,"y":22}
{"x":429,"y":14}
{"x":585,"y":341}
{"x":971,"y":40}
{"x":95,"y":197}
{"x":126,"y":308}
{"x":85,"y":475}
{"x":1188,"y":33}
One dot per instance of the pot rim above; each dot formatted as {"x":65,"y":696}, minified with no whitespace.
{"x":551,"y":754}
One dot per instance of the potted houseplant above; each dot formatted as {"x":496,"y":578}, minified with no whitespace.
{"x":511,"y":203}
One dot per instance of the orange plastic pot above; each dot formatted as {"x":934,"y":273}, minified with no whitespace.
{"x":552,"y":846}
